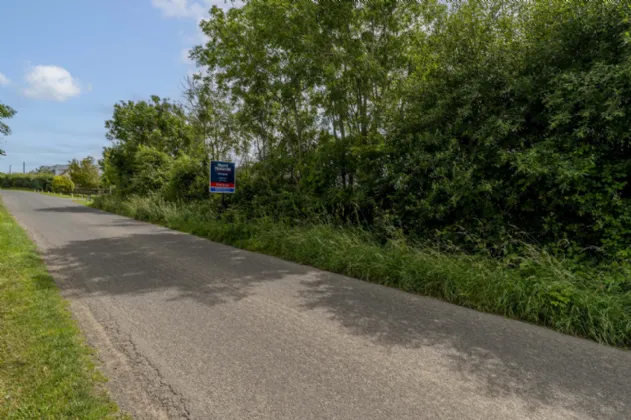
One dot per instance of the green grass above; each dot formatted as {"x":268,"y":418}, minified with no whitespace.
{"x":46,"y":370}
{"x":536,"y":287}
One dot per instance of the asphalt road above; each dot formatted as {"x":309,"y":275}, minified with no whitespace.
{"x":187,"y":328}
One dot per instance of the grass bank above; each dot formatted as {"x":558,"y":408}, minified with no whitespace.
{"x":46,"y":370}
{"x":536,"y":287}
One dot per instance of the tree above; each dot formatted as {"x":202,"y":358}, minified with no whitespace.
{"x":6,"y":112}
{"x":84,"y":173}
{"x":209,"y":113}
{"x":427,"y":118}
{"x":62,"y":184}
{"x":158,"y":124}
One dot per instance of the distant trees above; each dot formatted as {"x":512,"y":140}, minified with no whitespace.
{"x":27,"y":181}
{"x":62,"y":184}
{"x":158,"y":127}
{"x":84,"y":173}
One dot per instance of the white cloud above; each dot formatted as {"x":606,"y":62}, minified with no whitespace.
{"x":51,"y":83}
{"x":4,"y":80}
{"x":190,"y":9}
{"x":179,"y":8}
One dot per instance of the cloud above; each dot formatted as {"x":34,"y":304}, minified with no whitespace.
{"x":4,"y":80}
{"x":190,"y":9}
{"x":179,"y":8}
{"x":51,"y":83}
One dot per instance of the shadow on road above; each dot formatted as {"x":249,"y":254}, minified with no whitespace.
{"x":511,"y":359}
{"x":69,"y":209}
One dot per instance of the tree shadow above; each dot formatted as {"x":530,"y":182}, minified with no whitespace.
{"x":77,"y":208}
{"x":507,"y":357}
{"x":187,"y":266}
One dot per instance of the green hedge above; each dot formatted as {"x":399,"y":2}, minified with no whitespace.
{"x":27,"y":181}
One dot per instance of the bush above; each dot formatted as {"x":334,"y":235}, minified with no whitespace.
{"x":27,"y":181}
{"x":152,"y":169}
{"x":188,"y":180}
{"x":62,"y":184}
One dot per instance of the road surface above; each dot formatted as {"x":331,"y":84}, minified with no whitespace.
{"x":187,"y":328}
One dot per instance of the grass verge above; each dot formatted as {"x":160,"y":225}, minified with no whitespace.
{"x":46,"y":370}
{"x":585,"y":301}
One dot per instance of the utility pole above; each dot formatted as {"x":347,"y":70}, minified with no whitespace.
{"x":9,"y":169}
{"x":23,"y":167}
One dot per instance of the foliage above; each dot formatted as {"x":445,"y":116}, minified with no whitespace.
{"x":152,"y":170}
{"x":62,"y":184}
{"x":158,"y":124}
{"x":537,"y":287}
{"x":385,"y":113}
{"x":84,"y":173}
{"x":188,"y":180}
{"x":27,"y":181}
{"x":46,"y":370}
{"x":6,"y":112}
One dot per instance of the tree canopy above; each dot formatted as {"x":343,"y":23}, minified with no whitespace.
{"x":451,"y":119}
{"x":84,"y":173}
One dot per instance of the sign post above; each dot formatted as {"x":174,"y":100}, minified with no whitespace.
{"x":222,"y":177}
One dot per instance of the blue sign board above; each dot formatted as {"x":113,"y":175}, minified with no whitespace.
{"x":222,"y":177}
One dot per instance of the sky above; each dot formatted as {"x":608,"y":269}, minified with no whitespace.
{"x":64,"y":64}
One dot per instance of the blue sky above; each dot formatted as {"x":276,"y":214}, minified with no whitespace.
{"x":65,"y":63}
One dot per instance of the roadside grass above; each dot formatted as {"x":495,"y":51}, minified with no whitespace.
{"x":591,"y":302}
{"x":46,"y":370}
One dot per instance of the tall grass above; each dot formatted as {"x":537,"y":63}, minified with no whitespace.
{"x":535,"y":287}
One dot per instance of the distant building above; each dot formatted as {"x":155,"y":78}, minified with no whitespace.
{"x":55,"y":169}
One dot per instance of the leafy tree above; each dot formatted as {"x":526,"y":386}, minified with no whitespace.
{"x":62,"y":184}
{"x":152,"y":171}
{"x":6,"y":112}
{"x":158,"y":124}
{"x":84,"y":173}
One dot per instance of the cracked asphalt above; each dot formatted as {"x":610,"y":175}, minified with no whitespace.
{"x":187,"y":328}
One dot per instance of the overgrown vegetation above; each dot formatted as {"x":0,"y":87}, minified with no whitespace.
{"x":497,"y":128}
{"x":46,"y":371}
{"x":429,"y":118}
